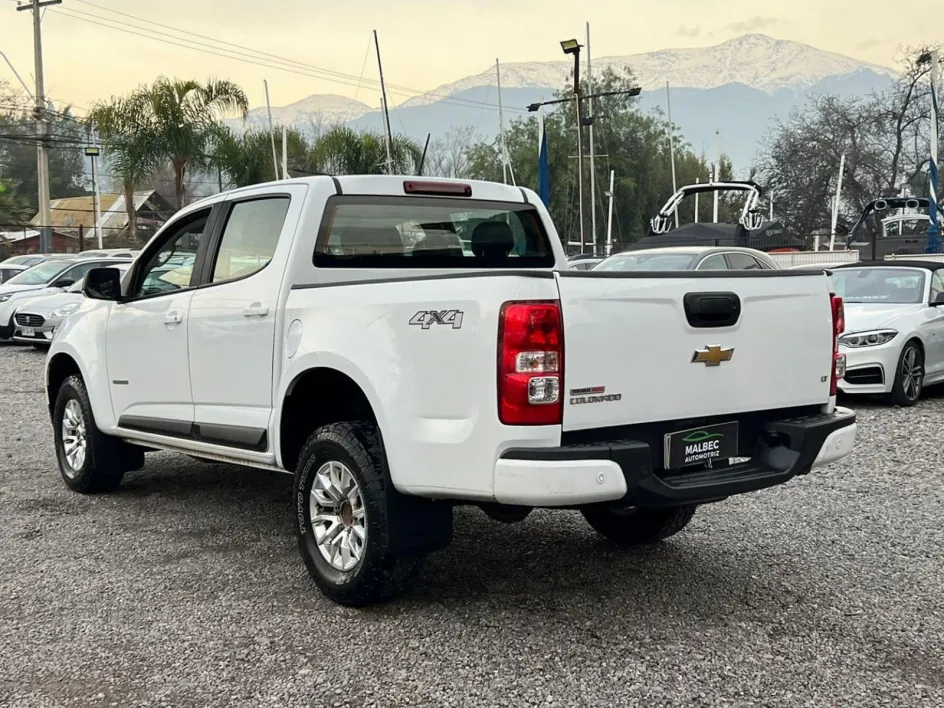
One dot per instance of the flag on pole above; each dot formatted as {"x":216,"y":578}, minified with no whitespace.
{"x":544,"y":172}
{"x":934,"y":236}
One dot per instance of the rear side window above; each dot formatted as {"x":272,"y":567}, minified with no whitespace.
{"x":249,"y":238}
{"x":414,"y":232}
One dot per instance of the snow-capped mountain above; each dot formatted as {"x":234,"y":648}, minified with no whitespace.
{"x":736,"y":87}
{"x":755,"y":60}
{"x":327,"y":109}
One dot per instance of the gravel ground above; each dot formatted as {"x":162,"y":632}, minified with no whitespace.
{"x":186,"y":589}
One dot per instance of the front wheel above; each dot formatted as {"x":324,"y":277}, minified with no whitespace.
{"x":638,"y":527}
{"x":343,"y":520}
{"x":88,"y":460}
{"x":909,"y":376}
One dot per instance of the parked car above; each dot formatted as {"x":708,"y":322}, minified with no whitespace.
{"x":688,"y":258}
{"x":8,"y":271}
{"x":583,"y":263}
{"x":110,"y":253}
{"x":36,"y":319}
{"x":894,"y":336}
{"x":52,"y":276}
{"x":394,"y":383}
{"x":32,"y":259}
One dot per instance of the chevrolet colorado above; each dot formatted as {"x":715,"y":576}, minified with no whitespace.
{"x":403,"y":345}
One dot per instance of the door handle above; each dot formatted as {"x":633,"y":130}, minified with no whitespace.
{"x":256,"y":310}
{"x":173,"y":318}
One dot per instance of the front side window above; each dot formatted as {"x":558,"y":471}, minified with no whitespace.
{"x":171,"y":268}
{"x":39,"y":274}
{"x":715,"y":262}
{"x":415,"y":232}
{"x":742,"y":261}
{"x":249,"y":237}
{"x":879,"y":285}
{"x":937,"y":285}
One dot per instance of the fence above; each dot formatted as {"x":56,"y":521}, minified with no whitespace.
{"x":793,"y":259}
{"x":18,"y":240}
{"x":935,"y":257}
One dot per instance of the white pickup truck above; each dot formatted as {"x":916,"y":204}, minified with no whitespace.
{"x":403,"y":345}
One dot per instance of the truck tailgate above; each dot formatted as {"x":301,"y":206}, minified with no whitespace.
{"x":647,"y":347}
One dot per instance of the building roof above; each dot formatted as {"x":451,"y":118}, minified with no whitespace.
{"x":73,"y":212}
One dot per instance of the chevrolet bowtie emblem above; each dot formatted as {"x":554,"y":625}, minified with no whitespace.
{"x":712,"y":355}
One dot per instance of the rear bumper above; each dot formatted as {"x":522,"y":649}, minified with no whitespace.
{"x":623,"y":470}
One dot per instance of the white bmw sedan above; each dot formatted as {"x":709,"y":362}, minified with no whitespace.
{"x":894,"y":336}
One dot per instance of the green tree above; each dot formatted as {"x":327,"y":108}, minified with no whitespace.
{"x":14,"y":209}
{"x":127,"y":132}
{"x":185,"y":115}
{"x":18,"y":150}
{"x":342,"y":151}
{"x":636,"y":148}
{"x":247,"y":159}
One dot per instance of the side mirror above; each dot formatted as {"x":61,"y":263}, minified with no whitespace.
{"x":103,"y":284}
{"x":64,"y":283}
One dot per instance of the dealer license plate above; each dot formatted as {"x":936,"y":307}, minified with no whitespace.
{"x":701,"y":446}
{"x":28,"y":332}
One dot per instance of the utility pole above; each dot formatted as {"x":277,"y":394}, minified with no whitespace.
{"x":42,"y":125}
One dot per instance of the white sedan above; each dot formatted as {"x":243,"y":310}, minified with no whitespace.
{"x":894,"y":335}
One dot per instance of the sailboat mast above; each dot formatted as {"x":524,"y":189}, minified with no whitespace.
{"x":501,"y":126}
{"x":669,"y":130}
{"x":383,"y":93}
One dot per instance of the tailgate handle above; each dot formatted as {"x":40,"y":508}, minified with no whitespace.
{"x":712,"y":309}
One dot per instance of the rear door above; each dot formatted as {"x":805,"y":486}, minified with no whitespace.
{"x":234,"y":317}
{"x":649,"y":348}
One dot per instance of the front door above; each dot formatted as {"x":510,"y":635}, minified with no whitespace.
{"x":933,"y":327}
{"x":146,"y":337}
{"x":233,"y":319}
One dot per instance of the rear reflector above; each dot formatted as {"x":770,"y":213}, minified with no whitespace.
{"x":451,"y":189}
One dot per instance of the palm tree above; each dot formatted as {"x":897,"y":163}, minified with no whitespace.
{"x":342,"y":151}
{"x":128,"y":134}
{"x":247,"y":159}
{"x":185,"y":116}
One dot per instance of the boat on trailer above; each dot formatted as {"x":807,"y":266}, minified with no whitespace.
{"x":752,"y":229}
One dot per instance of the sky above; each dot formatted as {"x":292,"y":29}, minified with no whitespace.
{"x":91,"y":52}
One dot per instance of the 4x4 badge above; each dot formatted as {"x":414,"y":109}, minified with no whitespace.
{"x":712,"y":355}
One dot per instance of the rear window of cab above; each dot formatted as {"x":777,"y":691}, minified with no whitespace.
{"x":418,"y":232}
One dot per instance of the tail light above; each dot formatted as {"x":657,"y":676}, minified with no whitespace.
{"x":530,"y":363}
{"x":839,"y":360}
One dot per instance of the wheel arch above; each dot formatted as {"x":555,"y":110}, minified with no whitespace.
{"x":60,"y":366}
{"x":320,"y":395}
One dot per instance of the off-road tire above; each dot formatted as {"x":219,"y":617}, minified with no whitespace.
{"x":899,"y":395}
{"x":379,"y":576}
{"x":638,"y":527}
{"x":107,"y":458}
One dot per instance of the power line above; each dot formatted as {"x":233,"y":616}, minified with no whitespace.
{"x":264,"y":59}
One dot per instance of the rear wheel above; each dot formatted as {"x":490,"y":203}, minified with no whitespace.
{"x":343,"y":518}
{"x":89,"y":461}
{"x":638,"y":527}
{"x":909,"y":376}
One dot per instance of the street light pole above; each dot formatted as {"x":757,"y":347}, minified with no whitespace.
{"x":572,"y":46}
